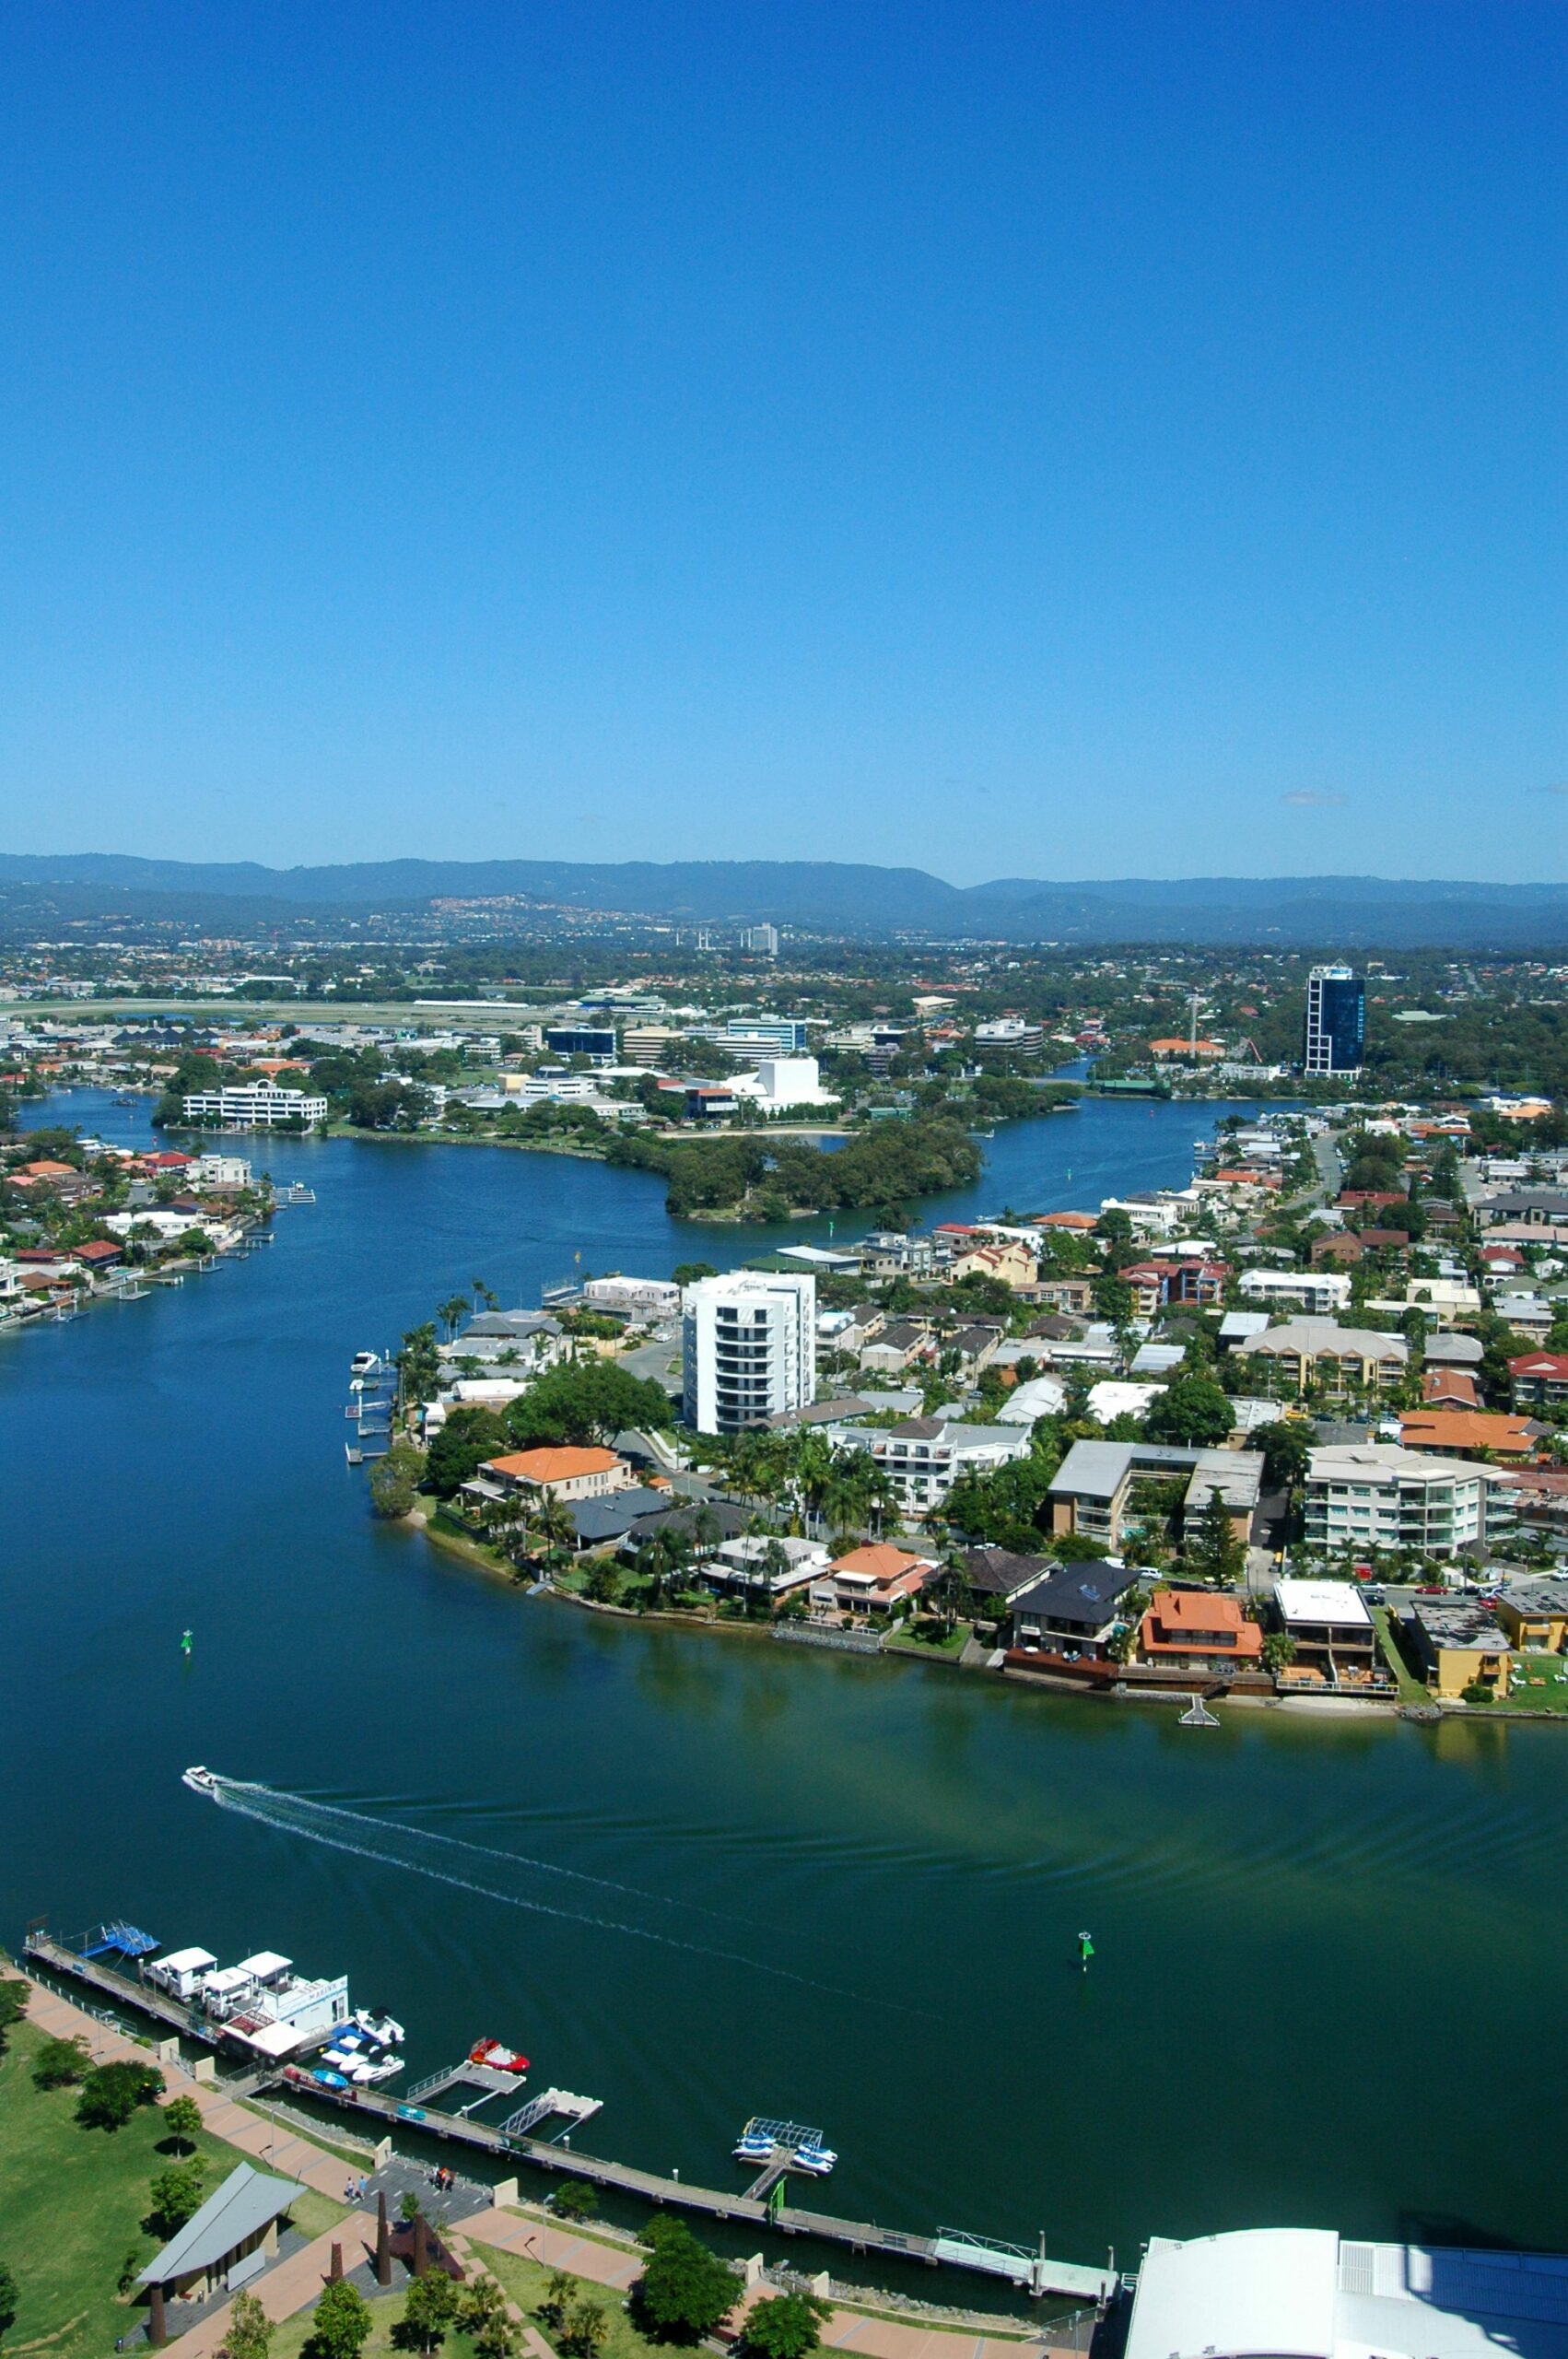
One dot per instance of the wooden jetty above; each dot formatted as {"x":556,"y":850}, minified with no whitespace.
{"x":1031,"y":2272}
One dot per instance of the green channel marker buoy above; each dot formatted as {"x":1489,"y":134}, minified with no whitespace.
{"x":1085,"y":1951}
{"x":184,"y":1642}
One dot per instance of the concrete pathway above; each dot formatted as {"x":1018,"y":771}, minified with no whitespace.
{"x":876,"y":2337}
{"x":272,"y":2144}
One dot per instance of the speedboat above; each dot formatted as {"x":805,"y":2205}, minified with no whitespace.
{"x":364,"y":1363}
{"x":201,"y":1781}
{"x":329,"y":2079}
{"x":381,"y":2028}
{"x":499,"y":2058}
{"x":364,"y":2072}
{"x":752,"y":2149}
{"x":819,"y":2160}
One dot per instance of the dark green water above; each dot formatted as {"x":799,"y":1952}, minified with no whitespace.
{"x":1312,"y":1941}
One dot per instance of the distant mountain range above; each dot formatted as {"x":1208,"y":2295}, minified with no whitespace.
{"x":1348,"y":912}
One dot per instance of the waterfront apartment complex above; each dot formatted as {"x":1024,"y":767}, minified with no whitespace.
{"x":1376,"y":1495}
{"x":1336,"y":1021}
{"x":254,"y":1105}
{"x":749,"y":1349}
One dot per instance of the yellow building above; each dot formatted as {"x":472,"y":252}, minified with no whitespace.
{"x":1534,"y":1615}
{"x":1461,"y":1645}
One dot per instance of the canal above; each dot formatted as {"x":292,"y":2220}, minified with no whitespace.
{"x":701,"y":1877}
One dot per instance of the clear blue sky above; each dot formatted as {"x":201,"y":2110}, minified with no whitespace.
{"x":1057,"y":440}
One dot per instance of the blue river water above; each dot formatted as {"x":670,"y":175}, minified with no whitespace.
{"x":702,"y":1877}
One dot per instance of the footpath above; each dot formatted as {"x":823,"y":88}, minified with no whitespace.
{"x":297,"y":2280}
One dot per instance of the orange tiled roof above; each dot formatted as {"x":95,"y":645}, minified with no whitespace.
{"x":1179,"y":1620}
{"x":880,"y":1559}
{"x":1467,"y":1429}
{"x":559,"y":1465}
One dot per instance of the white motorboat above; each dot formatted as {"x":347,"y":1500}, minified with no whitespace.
{"x":383,"y":2029}
{"x":201,"y":1781}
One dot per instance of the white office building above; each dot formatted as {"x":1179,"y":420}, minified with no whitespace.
{"x":254,"y":1106}
{"x":750,"y":1349}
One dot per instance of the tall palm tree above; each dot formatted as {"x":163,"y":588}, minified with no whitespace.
{"x":811,"y":1469}
{"x":452,"y":1312}
{"x":883,"y":1497}
{"x":554,"y":1532}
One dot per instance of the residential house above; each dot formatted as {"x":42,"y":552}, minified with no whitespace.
{"x":976,"y":1347}
{"x":567,"y":1473}
{"x":1528,"y":1314}
{"x":1471,"y":1433}
{"x":1200,"y":1631}
{"x":1073,"y":1294}
{"x":1374,"y":1494}
{"x":998,"y":1576}
{"x":1004,"y":1259}
{"x":1332,"y":1632}
{"x":1306,"y":1352}
{"x":1449,"y":1349}
{"x":897,"y":1348}
{"x":1459,"y":1643}
{"x":1540,"y":1380}
{"x":1450,"y":1388}
{"x":875,"y":1579}
{"x":1072,"y":1614}
{"x":1538,"y":1208}
{"x":753,"y":1565}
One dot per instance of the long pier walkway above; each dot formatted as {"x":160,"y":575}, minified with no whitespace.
{"x":1031,"y":2272}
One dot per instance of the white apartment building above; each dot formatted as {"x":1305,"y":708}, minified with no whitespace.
{"x":1376,"y":1495}
{"x":637,"y":1297}
{"x":254,"y":1106}
{"x":221,"y":1171}
{"x":1318,"y":1292}
{"x":749,"y":1349}
{"x":925,"y":1456}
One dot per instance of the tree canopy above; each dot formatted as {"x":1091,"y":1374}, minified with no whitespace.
{"x":685,"y":2290}
{"x":586,"y":1400}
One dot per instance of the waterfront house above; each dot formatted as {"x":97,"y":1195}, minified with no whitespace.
{"x":1198,"y":1630}
{"x":1328,"y":1623}
{"x":1534,"y":1613}
{"x":996,"y":1575}
{"x":1460,"y":1642}
{"x":566,"y":1473}
{"x":875,"y":1579}
{"x":1072,"y":1614}
{"x":753,"y":1566}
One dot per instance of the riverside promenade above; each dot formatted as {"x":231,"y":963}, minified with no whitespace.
{"x":608,"y":2258}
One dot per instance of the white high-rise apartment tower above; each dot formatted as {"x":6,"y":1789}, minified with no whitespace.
{"x":750,"y":1349}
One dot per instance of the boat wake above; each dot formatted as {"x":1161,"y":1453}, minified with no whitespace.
{"x":477,"y":1867}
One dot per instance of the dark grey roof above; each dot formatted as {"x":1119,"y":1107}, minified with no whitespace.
{"x":509,"y":1322}
{"x":920,"y":1429}
{"x":997,"y":1572}
{"x":232,"y":2215}
{"x":728,"y":1521}
{"x":1530,"y":1199}
{"x":600,"y":1520}
{"x":823,"y":1413}
{"x":1085,"y":1593}
{"x":903,"y":1334}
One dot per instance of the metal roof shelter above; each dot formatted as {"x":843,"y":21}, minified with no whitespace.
{"x":233,"y":2218}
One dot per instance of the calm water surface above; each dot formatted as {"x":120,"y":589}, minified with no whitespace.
{"x":738,"y":1878}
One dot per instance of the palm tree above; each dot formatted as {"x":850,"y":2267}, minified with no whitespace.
{"x":811,"y":1470}
{"x":882,"y":1497}
{"x":452,"y":1312}
{"x":509,"y":1525}
{"x":481,"y":1293}
{"x":707,"y":1531}
{"x":553,"y":1528}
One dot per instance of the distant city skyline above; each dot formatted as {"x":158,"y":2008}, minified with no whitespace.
{"x":1074,"y":442}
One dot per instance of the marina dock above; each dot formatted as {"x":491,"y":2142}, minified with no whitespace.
{"x":1034,"y":2274}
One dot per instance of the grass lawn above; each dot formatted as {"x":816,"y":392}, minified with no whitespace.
{"x":525,"y":2281}
{"x":1412,"y":1690}
{"x":951,"y":1643}
{"x":71,"y":2206}
{"x":291,"y":2335}
{"x":1539,"y":1684}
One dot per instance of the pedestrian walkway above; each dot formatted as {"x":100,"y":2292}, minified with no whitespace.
{"x":281,"y":2150}
{"x":873,"y":2338}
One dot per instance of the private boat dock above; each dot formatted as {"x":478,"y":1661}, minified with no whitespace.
{"x":1031,"y":2273}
